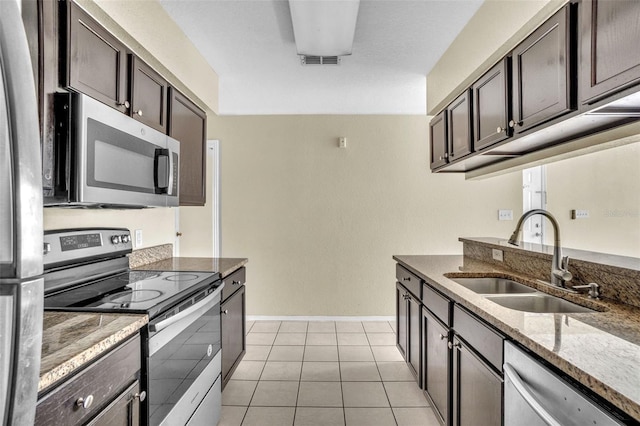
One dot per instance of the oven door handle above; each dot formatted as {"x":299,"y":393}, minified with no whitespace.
{"x":194,"y":311}
{"x":528,"y":397}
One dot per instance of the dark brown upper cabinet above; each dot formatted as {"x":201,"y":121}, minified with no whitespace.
{"x":609,"y":47}
{"x":459,"y":126}
{"x":542,"y":73}
{"x":96,"y":62}
{"x":491,"y":106}
{"x":148,"y":95}
{"x":438,"y":140}
{"x":188,"y":124}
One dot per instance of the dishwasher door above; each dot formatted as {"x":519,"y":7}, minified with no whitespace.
{"x":534,"y":395}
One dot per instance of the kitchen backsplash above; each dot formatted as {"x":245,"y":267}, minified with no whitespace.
{"x":150,"y":254}
{"x":618,"y":276}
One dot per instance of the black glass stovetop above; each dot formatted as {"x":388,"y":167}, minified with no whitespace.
{"x":149,"y":292}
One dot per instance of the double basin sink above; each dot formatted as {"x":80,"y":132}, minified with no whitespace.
{"x":514,"y":295}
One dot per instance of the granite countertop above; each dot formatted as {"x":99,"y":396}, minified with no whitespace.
{"x":72,"y":339}
{"x":223,"y":265}
{"x":600,"y":350}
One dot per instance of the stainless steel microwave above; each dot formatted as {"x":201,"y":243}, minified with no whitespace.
{"x":103,"y":158}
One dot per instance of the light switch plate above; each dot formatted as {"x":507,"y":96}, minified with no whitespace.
{"x":505,"y":214}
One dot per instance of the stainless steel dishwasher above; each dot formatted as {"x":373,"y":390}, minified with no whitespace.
{"x":534,"y":395}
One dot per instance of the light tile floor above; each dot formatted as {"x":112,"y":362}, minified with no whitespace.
{"x":298,"y":373}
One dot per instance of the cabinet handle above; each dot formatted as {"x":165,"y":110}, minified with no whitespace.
{"x":406,"y":279}
{"x":225,"y":312}
{"x":452,"y":345}
{"x":446,"y":155}
{"x":513,"y":123}
{"x":499,"y":130}
{"x":125,"y":104}
{"x":141,"y":396}
{"x":85,"y":402}
{"x":441,"y":158}
{"x":443,"y":336}
{"x":452,"y":155}
{"x":235,"y":283}
{"x":139,"y":112}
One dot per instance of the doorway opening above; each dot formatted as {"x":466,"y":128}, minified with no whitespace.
{"x":534,"y":196}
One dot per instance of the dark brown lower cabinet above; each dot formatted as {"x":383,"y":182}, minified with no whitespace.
{"x":436,"y":364}
{"x":106,"y":392}
{"x":233,"y":332}
{"x":408,"y":336}
{"x":477,"y":389}
{"x":123,"y":411}
{"x":401,"y":320}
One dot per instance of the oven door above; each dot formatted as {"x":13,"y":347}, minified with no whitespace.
{"x":120,"y":160}
{"x":185,"y":362}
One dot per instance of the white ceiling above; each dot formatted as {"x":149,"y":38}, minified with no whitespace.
{"x":250,"y":44}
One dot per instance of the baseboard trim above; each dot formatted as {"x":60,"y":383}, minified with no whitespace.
{"x":318,"y":318}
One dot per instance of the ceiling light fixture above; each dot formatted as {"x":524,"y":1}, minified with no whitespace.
{"x":324,"y":27}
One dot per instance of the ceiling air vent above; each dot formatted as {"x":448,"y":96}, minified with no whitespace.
{"x":320,"y":60}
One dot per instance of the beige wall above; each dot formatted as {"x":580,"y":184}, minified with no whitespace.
{"x":607,"y":183}
{"x":157,"y":224}
{"x":496,"y":28}
{"x":320,"y":224}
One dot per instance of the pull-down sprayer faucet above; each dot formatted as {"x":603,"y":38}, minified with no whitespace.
{"x":559,"y":272}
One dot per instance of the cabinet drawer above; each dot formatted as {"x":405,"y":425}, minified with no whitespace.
{"x":439,"y":305}
{"x":485,"y":341}
{"x":233,"y":282}
{"x":410,"y":281}
{"x":102,"y":380}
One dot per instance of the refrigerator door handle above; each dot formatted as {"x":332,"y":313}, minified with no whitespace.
{"x":24,"y":144}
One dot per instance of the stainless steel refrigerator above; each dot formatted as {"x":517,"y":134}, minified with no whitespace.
{"x":21,"y":286}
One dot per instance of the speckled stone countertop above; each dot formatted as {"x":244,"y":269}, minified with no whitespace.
{"x":223,"y":265}
{"x":72,"y":339}
{"x":600,"y":350}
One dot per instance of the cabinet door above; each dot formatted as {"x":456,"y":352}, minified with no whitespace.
{"x":436,"y":364}
{"x":542,"y":73}
{"x":414,"y":341}
{"x":609,"y":53}
{"x":438,"y":140}
{"x":233,"y":333}
{"x":188,"y":124}
{"x":401,"y":319}
{"x":148,"y":95}
{"x":477,"y":389}
{"x":491,"y":106}
{"x":96,"y":61}
{"x":123,"y":411}
{"x":459,"y":123}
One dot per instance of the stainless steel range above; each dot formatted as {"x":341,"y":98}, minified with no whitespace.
{"x":88,"y":270}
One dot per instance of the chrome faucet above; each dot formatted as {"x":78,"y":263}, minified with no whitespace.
{"x":559,"y":272}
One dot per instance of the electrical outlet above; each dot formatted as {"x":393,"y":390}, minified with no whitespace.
{"x":497,"y":255}
{"x":138,"y":237}
{"x":342,"y":142}
{"x":579,"y":214}
{"x":505,"y":214}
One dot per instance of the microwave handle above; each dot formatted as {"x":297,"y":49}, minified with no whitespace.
{"x":172,"y":175}
{"x":162,"y":170}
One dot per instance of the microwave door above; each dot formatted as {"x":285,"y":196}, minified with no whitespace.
{"x":120,"y":161}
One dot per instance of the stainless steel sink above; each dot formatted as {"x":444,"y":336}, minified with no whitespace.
{"x":488,"y":285}
{"x":538,"y":302}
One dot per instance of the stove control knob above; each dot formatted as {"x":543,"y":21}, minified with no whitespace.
{"x":115,"y":239}
{"x":125,"y":238}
